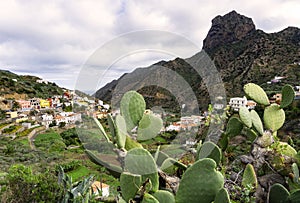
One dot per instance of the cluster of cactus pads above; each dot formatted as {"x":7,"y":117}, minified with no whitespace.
{"x":264,"y":136}
{"x":140,"y":172}
{"x":139,"y":169}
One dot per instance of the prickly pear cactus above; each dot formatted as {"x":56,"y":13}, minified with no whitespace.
{"x":149,"y":199}
{"x":200,"y":182}
{"x":222,"y":196}
{"x":256,"y":122}
{"x":234,"y":127}
{"x":131,"y":144}
{"x":130,"y":184}
{"x":112,"y":127}
{"x":245,"y":116}
{"x":149,"y":127}
{"x":288,"y":95}
{"x":210,"y":150}
{"x":140,"y":161}
{"x":278,"y":194}
{"x":164,"y":196}
{"x":99,"y":159}
{"x":132,"y":108}
{"x":121,"y":131}
{"x":249,"y":176}
{"x":256,"y":93}
{"x":285,"y":149}
{"x":294,"y":197}
{"x":274,"y":117}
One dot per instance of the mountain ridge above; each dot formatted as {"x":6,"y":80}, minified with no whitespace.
{"x":240,"y":52}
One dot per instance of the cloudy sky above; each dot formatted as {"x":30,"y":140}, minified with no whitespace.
{"x":55,"y":39}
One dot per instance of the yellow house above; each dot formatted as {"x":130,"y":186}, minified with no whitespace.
{"x":44,"y":103}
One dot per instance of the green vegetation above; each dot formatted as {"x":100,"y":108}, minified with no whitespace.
{"x":27,"y":85}
{"x":145,"y":167}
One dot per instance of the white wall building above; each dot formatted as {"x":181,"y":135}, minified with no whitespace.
{"x":237,"y":102}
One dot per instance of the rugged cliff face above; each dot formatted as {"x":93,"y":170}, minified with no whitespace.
{"x":241,"y":54}
{"x":227,"y":29}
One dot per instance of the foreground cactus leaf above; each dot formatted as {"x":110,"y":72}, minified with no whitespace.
{"x":131,"y":144}
{"x":210,"y":150}
{"x":102,"y":131}
{"x":256,"y":93}
{"x":222,"y":196}
{"x":234,"y":127}
{"x":294,"y":197}
{"x":249,"y":176}
{"x":200,"y":182}
{"x":96,"y":158}
{"x":288,"y":95}
{"x":130,"y":184}
{"x":256,"y":122}
{"x":286,"y":149}
{"x":149,"y":199}
{"x":274,"y":117}
{"x":112,"y":127}
{"x":149,"y":127}
{"x":121,"y":131}
{"x":164,"y":196}
{"x":140,"y":161}
{"x":245,"y":116}
{"x":278,"y":194}
{"x":132,"y":108}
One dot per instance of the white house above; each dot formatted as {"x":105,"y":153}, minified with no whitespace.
{"x":173,"y":128}
{"x":42,"y":81}
{"x":47,"y":119}
{"x":237,"y":102}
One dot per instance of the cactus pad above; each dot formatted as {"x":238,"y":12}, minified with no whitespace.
{"x":112,"y":127}
{"x":234,"y":127}
{"x":256,"y":93}
{"x":286,"y":149}
{"x":245,"y":116}
{"x":210,"y":150}
{"x":121,"y":131}
{"x":140,"y":161}
{"x":222,"y":196}
{"x":249,"y":176}
{"x":164,"y":196}
{"x":149,"y":199}
{"x":256,"y":122}
{"x":274,"y":117}
{"x":131,"y":144}
{"x":149,"y":127}
{"x":132,"y":108}
{"x":130,"y":184}
{"x":278,"y":194}
{"x":288,"y":95}
{"x":201,"y":181}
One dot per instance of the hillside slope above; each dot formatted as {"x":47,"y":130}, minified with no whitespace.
{"x":241,"y":54}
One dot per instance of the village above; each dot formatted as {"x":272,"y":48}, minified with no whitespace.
{"x":58,"y":111}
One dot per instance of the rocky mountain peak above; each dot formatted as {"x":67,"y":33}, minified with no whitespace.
{"x":228,"y":28}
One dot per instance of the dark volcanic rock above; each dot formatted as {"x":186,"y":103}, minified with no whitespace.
{"x":227,"y":29}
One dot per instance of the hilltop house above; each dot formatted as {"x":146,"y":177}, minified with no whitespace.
{"x":237,"y":102}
